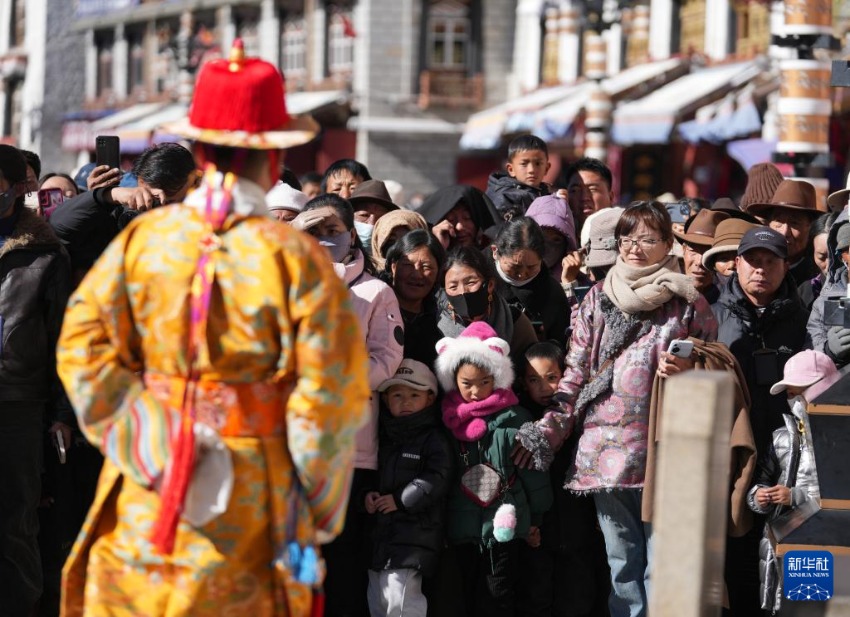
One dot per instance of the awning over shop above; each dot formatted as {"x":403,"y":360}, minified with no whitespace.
{"x":484,"y":129}
{"x":550,"y":112}
{"x":300,"y":103}
{"x":138,"y":134}
{"x":78,"y":135}
{"x":749,"y":152}
{"x":116,"y":120}
{"x":735,"y":116}
{"x":556,"y":120}
{"x":651,"y":119}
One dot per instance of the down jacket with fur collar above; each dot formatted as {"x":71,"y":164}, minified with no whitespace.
{"x":35,"y":282}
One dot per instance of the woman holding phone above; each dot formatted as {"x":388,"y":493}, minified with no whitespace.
{"x":620,"y":340}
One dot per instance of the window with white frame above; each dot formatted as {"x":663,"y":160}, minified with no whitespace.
{"x":340,"y":42}
{"x":293,"y":47}
{"x":448,"y":35}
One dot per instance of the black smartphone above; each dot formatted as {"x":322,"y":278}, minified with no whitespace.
{"x":108,"y":151}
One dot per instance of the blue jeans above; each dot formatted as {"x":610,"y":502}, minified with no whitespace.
{"x":628,"y":543}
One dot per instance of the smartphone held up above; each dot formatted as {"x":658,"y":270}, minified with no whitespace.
{"x":49,"y":200}
{"x":108,"y":151}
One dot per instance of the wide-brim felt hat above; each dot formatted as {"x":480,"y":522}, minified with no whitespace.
{"x":240,"y":102}
{"x":727,"y":206}
{"x":838,"y":199}
{"x":372,"y":191}
{"x":700,"y":229}
{"x":796,"y":195}
{"x":727,"y":238}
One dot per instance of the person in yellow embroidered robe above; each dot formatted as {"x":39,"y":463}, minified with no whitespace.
{"x":281,"y":378}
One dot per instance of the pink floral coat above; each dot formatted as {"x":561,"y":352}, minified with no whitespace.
{"x":611,"y":450}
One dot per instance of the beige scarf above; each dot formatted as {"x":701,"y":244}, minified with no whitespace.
{"x":635,"y":290}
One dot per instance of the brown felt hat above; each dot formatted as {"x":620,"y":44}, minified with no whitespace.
{"x":763,"y":180}
{"x":795,"y":195}
{"x":372,"y":191}
{"x":699,"y":230}
{"x":727,"y":237}
{"x":727,"y":206}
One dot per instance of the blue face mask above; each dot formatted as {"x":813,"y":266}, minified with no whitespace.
{"x":364,"y":232}
{"x":339,"y":246}
{"x":7,"y":201}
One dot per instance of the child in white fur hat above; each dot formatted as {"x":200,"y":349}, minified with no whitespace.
{"x":495,"y":505}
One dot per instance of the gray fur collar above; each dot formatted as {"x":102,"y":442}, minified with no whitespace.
{"x":31,"y":232}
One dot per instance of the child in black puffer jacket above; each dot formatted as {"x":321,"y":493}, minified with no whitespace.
{"x":415,"y":465}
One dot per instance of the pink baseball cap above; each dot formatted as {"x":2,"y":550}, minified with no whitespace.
{"x":808,"y":369}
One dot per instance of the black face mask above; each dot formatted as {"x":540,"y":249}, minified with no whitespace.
{"x":472,"y":304}
{"x":7,"y":200}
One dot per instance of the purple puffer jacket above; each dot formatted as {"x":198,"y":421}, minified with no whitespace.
{"x":611,"y":451}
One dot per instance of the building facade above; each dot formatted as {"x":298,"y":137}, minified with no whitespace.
{"x":390,"y":81}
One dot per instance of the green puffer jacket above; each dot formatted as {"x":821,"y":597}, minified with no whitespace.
{"x":531,"y":491}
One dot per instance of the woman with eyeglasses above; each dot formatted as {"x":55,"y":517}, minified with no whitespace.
{"x":619,"y":343}
{"x":524,"y":281}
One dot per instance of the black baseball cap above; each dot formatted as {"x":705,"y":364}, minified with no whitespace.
{"x":764,"y":238}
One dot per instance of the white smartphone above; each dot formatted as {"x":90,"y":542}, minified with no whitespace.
{"x":680,"y":348}
{"x":60,"y":447}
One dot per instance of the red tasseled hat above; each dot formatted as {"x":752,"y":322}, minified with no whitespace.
{"x":239,"y":102}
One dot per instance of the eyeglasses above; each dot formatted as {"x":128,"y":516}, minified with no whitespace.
{"x":645,"y":244}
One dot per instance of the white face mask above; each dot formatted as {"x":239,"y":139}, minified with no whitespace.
{"x":509,"y":280}
{"x":798,"y":406}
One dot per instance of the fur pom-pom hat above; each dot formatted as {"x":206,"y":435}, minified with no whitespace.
{"x":478,"y":344}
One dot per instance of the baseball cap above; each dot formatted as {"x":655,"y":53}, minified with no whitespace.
{"x":805,"y":369}
{"x":764,"y":238}
{"x":83,"y":175}
{"x":411,"y":373}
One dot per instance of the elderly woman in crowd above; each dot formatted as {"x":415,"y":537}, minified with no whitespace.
{"x":619,"y":342}
{"x":459,"y":215}
{"x":469,"y":294}
{"x":524,"y":281}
